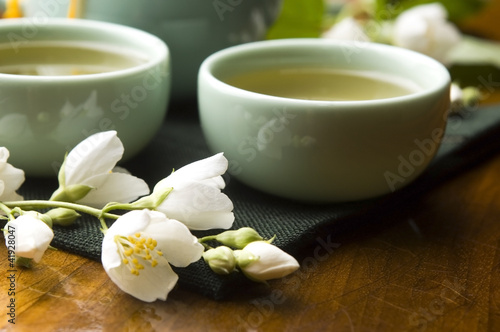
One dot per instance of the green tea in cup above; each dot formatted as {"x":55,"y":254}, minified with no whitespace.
{"x":65,"y":58}
{"x":323,"y":83}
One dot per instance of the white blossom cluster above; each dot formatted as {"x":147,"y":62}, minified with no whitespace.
{"x":142,"y":244}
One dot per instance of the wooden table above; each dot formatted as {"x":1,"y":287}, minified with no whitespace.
{"x":432,"y":267}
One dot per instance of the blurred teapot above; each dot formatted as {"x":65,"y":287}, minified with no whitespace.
{"x":192,"y":29}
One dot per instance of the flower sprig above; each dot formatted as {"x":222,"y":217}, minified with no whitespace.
{"x":154,"y":233}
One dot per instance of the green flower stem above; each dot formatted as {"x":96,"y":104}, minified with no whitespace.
{"x":207,"y":238}
{"x":117,"y":206}
{"x":206,"y":246}
{"x":7,"y":211}
{"x":40,"y":204}
{"x":104,"y":227}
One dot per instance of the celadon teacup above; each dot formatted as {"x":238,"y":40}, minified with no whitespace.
{"x":323,"y":151}
{"x":44,"y":116}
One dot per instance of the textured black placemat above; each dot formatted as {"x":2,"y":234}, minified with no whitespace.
{"x":469,"y":139}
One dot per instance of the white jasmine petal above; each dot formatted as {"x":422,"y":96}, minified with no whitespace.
{"x":179,"y":246}
{"x":98,"y":153}
{"x":31,"y":235}
{"x":128,"y":224}
{"x":90,"y":165}
{"x":11,"y":178}
{"x":425,"y":29}
{"x":201,"y":170}
{"x":120,"y":187}
{"x":196,"y":199}
{"x":272,"y":262}
{"x":138,"y":249}
{"x":199,"y":206}
{"x":348,"y":29}
{"x":148,"y":287}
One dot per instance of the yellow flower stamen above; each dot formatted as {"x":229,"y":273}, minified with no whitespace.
{"x":135,"y":251}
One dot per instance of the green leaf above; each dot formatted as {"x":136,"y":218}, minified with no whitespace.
{"x":298,"y":19}
{"x":473,"y":51}
{"x":475,"y":62}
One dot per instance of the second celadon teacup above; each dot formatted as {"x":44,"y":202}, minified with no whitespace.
{"x":63,"y":80}
{"x":288,"y":144}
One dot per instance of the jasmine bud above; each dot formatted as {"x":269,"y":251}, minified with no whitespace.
{"x":261,"y":261}
{"x":238,"y":238}
{"x":221,"y":259}
{"x":244,"y":258}
{"x":63,"y":216}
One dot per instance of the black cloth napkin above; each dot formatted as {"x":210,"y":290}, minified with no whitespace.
{"x":470,"y":137}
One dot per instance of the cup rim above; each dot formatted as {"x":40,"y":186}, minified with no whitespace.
{"x":205,"y":71}
{"x":161,"y":50}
